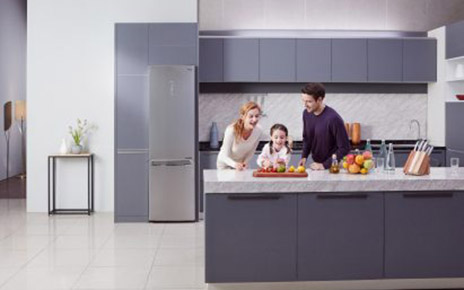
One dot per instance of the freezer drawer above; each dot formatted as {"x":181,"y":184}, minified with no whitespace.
{"x":172,"y":190}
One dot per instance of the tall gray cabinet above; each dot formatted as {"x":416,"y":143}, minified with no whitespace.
{"x":138,"y":46}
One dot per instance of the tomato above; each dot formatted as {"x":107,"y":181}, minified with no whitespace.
{"x":269,"y":169}
{"x":274,"y":169}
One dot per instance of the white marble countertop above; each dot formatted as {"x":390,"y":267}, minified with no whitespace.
{"x":232,"y":181}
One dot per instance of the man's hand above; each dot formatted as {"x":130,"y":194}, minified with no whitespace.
{"x":302,"y":162}
{"x":240,"y":166}
{"x":316,"y":166}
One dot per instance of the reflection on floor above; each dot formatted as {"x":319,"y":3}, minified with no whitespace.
{"x":13,"y":187}
{"x":82,"y":252}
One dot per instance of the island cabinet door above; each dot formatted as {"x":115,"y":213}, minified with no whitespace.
{"x":250,"y":237}
{"x":424,"y":235}
{"x":340,"y":236}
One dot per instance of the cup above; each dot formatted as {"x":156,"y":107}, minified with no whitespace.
{"x":454,"y":162}
{"x":379,"y":164}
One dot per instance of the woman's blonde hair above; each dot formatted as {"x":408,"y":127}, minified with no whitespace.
{"x":239,"y":125}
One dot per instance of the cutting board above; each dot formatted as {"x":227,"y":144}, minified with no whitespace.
{"x":279,"y":174}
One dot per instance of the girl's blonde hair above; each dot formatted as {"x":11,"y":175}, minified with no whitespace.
{"x":239,"y":125}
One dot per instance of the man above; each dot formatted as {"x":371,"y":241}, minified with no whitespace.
{"x":324,"y":131}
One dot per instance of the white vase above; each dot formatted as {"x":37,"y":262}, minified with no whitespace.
{"x":459,"y":73}
{"x":64,"y":147}
{"x":76,"y":149}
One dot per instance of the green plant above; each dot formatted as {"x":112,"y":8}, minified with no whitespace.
{"x":79,"y":132}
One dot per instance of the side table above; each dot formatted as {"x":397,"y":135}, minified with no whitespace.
{"x":52,"y":184}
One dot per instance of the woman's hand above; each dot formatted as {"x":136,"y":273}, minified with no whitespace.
{"x":240,"y":166}
{"x":302,"y":162}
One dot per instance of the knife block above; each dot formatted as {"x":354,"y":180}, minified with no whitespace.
{"x":424,"y":167}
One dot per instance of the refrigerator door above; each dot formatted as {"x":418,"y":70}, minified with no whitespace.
{"x":172,"y":185}
{"x":172,"y":112}
{"x":172,"y":188}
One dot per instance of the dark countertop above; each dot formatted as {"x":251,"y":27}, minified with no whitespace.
{"x":298,"y":145}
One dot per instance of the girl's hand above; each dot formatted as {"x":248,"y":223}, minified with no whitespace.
{"x":280,"y":160}
{"x":267,"y":163}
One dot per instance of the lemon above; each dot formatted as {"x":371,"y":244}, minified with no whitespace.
{"x":301,"y":169}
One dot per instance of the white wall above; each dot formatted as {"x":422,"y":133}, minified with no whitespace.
{"x":411,"y":15}
{"x":71,"y":74}
{"x":12,"y":76}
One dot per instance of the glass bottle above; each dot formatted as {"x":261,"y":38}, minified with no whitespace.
{"x":213,"y":136}
{"x":390,"y":162}
{"x":334,"y":168}
{"x":368,"y":146}
{"x":383,"y":150}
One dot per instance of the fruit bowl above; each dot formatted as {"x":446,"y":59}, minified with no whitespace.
{"x":460,"y":97}
{"x":358,"y":163}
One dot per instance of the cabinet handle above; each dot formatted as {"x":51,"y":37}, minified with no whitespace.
{"x":425,"y":195}
{"x":336,"y":196}
{"x":253,"y":196}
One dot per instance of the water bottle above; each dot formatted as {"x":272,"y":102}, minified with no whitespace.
{"x":213,"y":136}
{"x":368,"y":146}
{"x":390,"y":162}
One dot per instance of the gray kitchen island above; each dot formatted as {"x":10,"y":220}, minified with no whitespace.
{"x":334,"y":227}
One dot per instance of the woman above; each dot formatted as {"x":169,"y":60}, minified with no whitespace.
{"x":241,"y":139}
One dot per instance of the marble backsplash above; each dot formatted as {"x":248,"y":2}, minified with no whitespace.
{"x":382,"y":116}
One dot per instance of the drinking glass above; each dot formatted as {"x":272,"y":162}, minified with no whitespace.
{"x":379,"y":164}
{"x":454,"y":162}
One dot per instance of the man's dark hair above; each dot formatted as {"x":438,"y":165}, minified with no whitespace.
{"x":316,"y":90}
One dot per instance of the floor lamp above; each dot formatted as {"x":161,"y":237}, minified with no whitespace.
{"x":20,"y":116}
{"x":6,"y":131}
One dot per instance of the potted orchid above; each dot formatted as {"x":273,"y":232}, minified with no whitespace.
{"x":78,"y":135}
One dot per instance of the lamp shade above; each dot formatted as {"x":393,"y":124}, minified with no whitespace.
{"x":20,"y":110}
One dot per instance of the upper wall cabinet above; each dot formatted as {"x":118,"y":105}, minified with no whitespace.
{"x":419,"y":60}
{"x":241,"y":60}
{"x":313,"y":60}
{"x":211,"y":60}
{"x":173,"y":43}
{"x":384,"y":60}
{"x":349,"y":60}
{"x":454,"y":40}
{"x":277,"y":60}
{"x":131,"y":48}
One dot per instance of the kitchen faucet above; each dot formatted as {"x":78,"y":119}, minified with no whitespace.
{"x":418,"y":127}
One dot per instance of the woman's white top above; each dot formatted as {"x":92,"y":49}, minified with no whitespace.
{"x":232,"y":151}
{"x":266,"y":154}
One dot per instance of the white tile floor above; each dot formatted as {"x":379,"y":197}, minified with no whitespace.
{"x":82,"y":252}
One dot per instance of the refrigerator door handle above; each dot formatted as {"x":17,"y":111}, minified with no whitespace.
{"x":175,"y":162}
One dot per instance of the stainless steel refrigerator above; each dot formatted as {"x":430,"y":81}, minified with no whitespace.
{"x":172,"y":187}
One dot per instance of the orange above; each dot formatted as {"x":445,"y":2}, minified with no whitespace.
{"x":354,"y":168}
{"x":359,"y":159}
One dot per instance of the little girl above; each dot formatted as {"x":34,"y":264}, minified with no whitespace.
{"x":277,"y":151}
